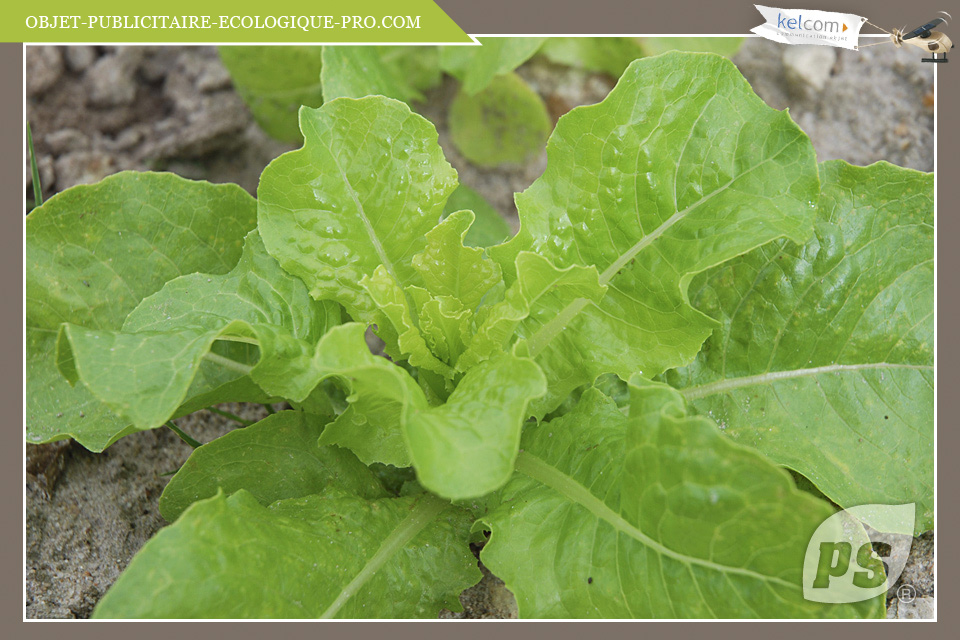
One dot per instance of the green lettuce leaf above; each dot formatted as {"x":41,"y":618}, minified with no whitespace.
{"x":445,"y":323}
{"x":397,"y":324}
{"x":403,"y":73}
{"x":275,"y":82}
{"x":462,"y":448}
{"x":93,"y":253}
{"x":457,"y":281}
{"x":824,"y":355}
{"x":651,"y":187}
{"x":538,"y":282}
{"x":476,"y":67}
{"x":505,"y":123}
{"x":330,"y":555}
{"x":489,"y":227}
{"x":466,"y":447}
{"x":144,"y":371}
{"x":655,"y":515}
{"x":146,"y":374}
{"x":275,"y":459}
{"x":380,"y":395}
{"x":449,"y":268}
{"x":368,"y":184}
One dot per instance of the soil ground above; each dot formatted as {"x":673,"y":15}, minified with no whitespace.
{"x":98,"y":110}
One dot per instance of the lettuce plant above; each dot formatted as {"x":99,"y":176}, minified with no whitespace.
{"x":607,"y":399}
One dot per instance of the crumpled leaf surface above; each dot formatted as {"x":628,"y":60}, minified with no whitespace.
{"x":275,"y":82}
{"x":403,"y":73}
{"x":145,"y":371}
{"x":537,"y":282}
{"x":824,"y":355}
{"x":397,"y":325}
{"x":449,"y":268}
{"x":366,"y":187}
{"x":275,"y":459}
{"x":652,"y":515}
{"x":93,"y":253}
{"x":651,"y":187}
{"x":461,"y":448}
{"x":444,"y":321}
{"x":331,"y":555}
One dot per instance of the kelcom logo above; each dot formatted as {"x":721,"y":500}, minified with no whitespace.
{"x":799,"y":24}
{"x":858,"y":554}
{"x":807,"y":26}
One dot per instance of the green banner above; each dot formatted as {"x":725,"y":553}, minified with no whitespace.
{"x":283,"y":21}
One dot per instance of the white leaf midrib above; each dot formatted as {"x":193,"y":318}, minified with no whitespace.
{"x":572,"y":309}
{"x":422,"y":515}
{"x":730,"y":384}
{"x":572,"y":490}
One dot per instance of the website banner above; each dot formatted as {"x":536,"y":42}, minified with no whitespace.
{"x":288,"y":21}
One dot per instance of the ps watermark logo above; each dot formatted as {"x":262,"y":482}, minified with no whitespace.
{"x":858,"y":553}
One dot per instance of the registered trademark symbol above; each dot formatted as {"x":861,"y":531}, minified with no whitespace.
{"x":906,"y":593}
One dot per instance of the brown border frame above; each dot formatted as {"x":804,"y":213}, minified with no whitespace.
{"x":508,"y":17}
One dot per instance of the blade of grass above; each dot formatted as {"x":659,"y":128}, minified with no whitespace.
{"x":183,"y":436}
{"x":37,"y":191}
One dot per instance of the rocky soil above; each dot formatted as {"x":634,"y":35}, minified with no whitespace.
{"x":98,"y":110}
{"x":95,"y":111}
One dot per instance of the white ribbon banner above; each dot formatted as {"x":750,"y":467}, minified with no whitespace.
{"x":801,"y":26}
